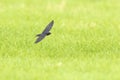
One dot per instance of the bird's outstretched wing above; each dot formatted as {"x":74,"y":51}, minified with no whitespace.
{"x":39,"y":39}
{"x":48,"y":27}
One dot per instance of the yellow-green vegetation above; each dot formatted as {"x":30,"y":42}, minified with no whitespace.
{"x":84,"y":44}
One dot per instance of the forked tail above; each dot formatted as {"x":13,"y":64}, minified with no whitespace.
{"x":38,"y":35}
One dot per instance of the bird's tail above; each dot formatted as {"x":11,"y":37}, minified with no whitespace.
{"x":38,"y":35}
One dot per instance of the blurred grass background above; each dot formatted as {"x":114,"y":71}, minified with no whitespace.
{"x":84,"y":43}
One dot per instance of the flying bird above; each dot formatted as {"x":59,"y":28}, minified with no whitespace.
{"x":45,"y":32}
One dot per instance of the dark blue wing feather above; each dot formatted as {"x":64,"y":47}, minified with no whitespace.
{"x":48,"y":27}
{"x":39,"y":39}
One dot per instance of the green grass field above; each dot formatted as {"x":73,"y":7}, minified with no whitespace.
{"x":84,"y":44}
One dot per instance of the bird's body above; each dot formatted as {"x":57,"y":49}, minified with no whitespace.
{"x":45,"y":32}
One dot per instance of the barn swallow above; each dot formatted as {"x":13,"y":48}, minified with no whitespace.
{"x":45,"y":32}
